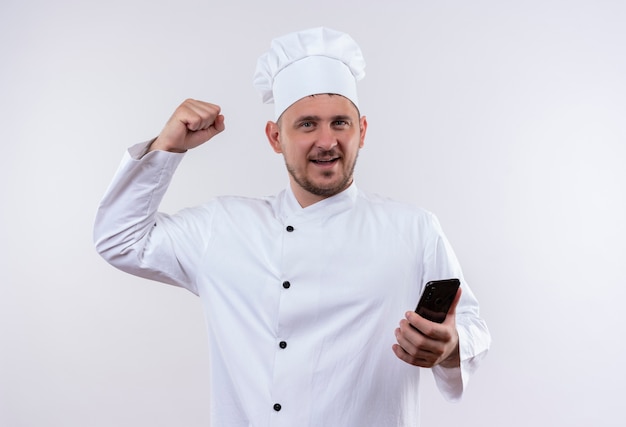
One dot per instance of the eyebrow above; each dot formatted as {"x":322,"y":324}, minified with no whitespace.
{"x":307,"y":119}
{"x":318,"y":118}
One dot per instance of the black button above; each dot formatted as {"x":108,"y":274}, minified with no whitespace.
{"x":289,"y":228}
{"x":282,"y":344}
{"x":286,"y":284}
{"x":277,"y":407}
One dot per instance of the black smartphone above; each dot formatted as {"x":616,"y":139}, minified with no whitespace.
{"x":437,"y":299}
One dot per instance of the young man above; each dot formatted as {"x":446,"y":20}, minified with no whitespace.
{"x":308,"y":295}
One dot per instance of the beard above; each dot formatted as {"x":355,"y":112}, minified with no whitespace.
{"x":325,"y":190}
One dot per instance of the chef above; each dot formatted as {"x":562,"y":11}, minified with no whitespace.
{"x":308,"y":294}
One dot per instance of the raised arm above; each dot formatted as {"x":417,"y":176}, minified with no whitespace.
{"x":129,"y":232}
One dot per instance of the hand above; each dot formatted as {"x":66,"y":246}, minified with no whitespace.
{"x":192,"y":124}
{"x":426,"y":344}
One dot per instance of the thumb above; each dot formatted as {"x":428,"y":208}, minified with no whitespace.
{"x":455,"y":302}
{"x":201,"y":136}
{"x":216,"y":127}
{"x":218,"y":124}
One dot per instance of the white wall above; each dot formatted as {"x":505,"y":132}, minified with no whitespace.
{"x":504,"y":118}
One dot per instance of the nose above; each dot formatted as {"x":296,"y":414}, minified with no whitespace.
{"x":327,"y":140}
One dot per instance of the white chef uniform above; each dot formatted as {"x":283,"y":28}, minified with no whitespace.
{"x":301,"y":304}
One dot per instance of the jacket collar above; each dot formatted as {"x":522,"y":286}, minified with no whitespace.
{"x":287,"y":205}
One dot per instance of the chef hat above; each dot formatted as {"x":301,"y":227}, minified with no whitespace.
{"x":309,"y":62}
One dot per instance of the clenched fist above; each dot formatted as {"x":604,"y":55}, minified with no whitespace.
{"x":192,"y":124}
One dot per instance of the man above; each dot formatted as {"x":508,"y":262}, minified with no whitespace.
{"x":308,"y":294}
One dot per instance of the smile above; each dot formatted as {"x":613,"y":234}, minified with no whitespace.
{"x":323,"y":162}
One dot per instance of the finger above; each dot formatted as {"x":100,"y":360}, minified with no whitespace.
{"x":198,"y":115}
{"x":417,"y":344}
{"x":431,"y":344}
{"x":215,"y":127}
{"x":409,"y":346}
{"x":422,"y":325}
{"x":403,"y":355}
{"x":451,"y":317}
{"x":189,"y":117}
{"x":200,"y":107}
{"x":209,"y":114}
{"x":218,"y":124}
{"x":203,"y":135}
{"x":411,"y":334}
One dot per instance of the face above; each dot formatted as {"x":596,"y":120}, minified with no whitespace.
{"x":319,"y":137}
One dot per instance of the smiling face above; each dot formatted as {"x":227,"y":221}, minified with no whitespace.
{"x":319,"y":136}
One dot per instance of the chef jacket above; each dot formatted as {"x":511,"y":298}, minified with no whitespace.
{"x":301,"y":304}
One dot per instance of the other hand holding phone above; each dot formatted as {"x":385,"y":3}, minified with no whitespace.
{"x":427,"y":343}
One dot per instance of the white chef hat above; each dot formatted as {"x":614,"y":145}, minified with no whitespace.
{"x":309,"y":62}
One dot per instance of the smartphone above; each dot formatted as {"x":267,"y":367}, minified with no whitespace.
{"x":437,"y":299}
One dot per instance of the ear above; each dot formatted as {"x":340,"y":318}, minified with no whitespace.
{"x":363,"y":129}
{"x":272,"y":131}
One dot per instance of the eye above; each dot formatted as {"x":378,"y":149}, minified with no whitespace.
{"x":340,"y":123}
{"x":306,"y":125}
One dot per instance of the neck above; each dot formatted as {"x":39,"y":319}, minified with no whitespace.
{"x":307,"y":198}
{"x":304,"y":197}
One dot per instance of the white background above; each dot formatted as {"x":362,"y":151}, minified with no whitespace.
{"x":507,"y":119}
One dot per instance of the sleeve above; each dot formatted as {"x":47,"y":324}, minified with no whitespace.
{"x":474,"y":338}
{"x":129,"y":232}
